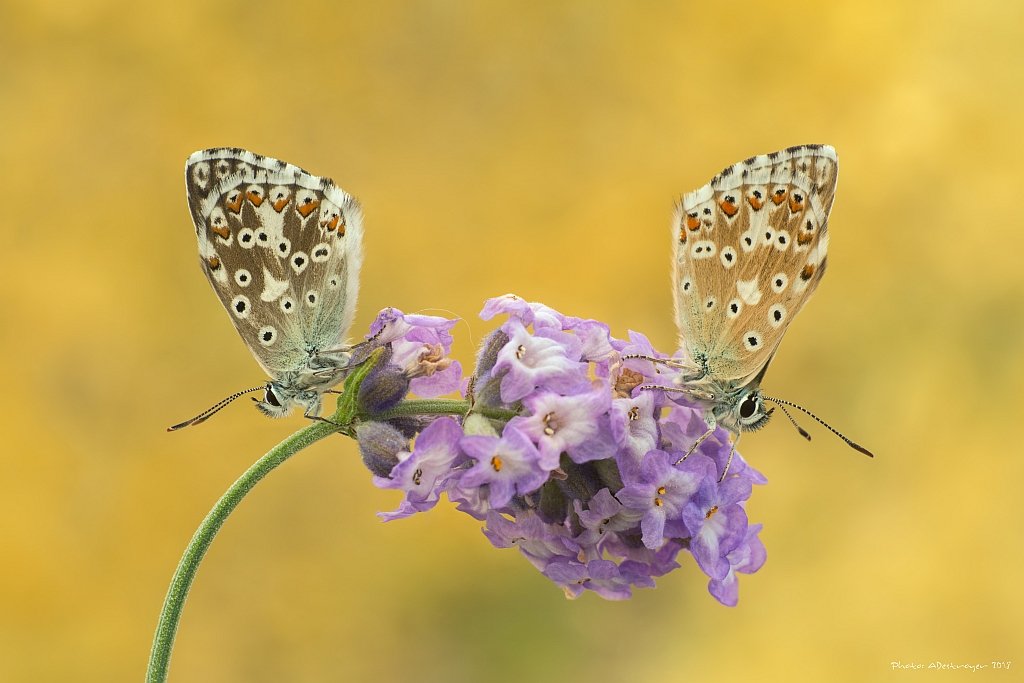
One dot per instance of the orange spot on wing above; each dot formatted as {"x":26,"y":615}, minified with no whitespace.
{"x":728,"y":207}
{"x":755,"y":203}
{"x":280,"y":204}
{"x":807,"y":272}
{"x":682,"y":235}
{"x":778,"y":197}
{"x":234,"y":205}
{"x":795,"y":204}
{"x":221,"y":230}
{"x":692,"y":222}
{"x":255,"y":198}
{"x":804,"y":238}
{"x":332,"y":224}
{"x":307,"y":208}
{"x":213,"y":262}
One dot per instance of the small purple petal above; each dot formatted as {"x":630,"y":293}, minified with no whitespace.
{"x":509,"y":304}
{"x":537,"y":541}
{"x":633,"y":426}
{"x":748,"y":557}
{"x":660,"y":491}
{"x":562,"y":423}
{"x":418,"y":473}
{"x":508,"y":465}
{"x":534,"y":361}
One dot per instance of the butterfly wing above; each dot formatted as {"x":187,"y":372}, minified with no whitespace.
{"x":282,"y":249}
{"x":750,"y":248}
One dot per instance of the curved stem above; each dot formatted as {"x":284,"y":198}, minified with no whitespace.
{"x":184,"y":575}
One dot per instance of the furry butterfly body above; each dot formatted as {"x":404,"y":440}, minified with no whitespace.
{"x":282,"y":249}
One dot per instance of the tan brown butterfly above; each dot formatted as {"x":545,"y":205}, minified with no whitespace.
{"x":750,"y":248}
{"x":282,"y":249}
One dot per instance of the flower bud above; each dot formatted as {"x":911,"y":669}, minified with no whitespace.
{"x":476,"y":424}
{"x":382,"y":389}
{"x":488,"y":354}
{"x":379,"y":445}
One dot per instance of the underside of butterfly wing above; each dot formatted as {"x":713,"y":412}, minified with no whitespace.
{"x":282,"y":249}
{"x":750,"y":248}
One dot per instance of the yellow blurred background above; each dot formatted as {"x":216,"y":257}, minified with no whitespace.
{"x":534,"y":148}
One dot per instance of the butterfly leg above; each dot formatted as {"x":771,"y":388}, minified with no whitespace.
{"x":357,"y":346}
{"x":671,"y":362}
{"x":696,"y":444}
{"x":728,"y":462}
{"x":317,"y":418}
{"x":312,"y":413}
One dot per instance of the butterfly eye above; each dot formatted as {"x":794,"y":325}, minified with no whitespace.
{"x":748,"y":407}
{"x":271,"y":398}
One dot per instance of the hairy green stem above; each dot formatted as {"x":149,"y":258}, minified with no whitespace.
{"x":167,"y":628}
{"x":343,"y":421}
{"x":442,"y":407}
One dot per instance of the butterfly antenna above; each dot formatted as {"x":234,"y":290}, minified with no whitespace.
{"x":803,"y":432}
{"x":206,"y":414}
{"x":849,"y":442}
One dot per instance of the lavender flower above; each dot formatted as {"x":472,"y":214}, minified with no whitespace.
{"x":420,"y":346}
{"x":531,"y":362}
{"x":418,"y":473}
{"x":716,"y":521}
{"x":576,"y":425}
{"x":747,"y":558}
{"x":508,"y":465}
{"x":563,"y":456}
{"x":659,"y":490}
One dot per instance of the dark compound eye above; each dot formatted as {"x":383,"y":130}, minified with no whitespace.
{"x":748,"y":407}
{"x":270,"y":398}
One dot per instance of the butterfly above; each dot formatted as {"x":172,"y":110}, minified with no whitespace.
{"x":749,"y":249}
{"x":282,"y":249}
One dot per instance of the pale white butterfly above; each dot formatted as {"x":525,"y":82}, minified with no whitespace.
{"x":282,"y":249}
{"x":749,"y":250}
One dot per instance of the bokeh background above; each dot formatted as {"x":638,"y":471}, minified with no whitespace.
{"x":534,"y":148}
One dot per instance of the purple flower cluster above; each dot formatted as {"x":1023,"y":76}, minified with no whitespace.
{"x":563,"y":455}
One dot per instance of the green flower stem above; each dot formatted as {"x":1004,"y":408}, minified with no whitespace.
{"x":167,"y":628}
{"x":343,"y":421}
{"x":442,"y":407}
